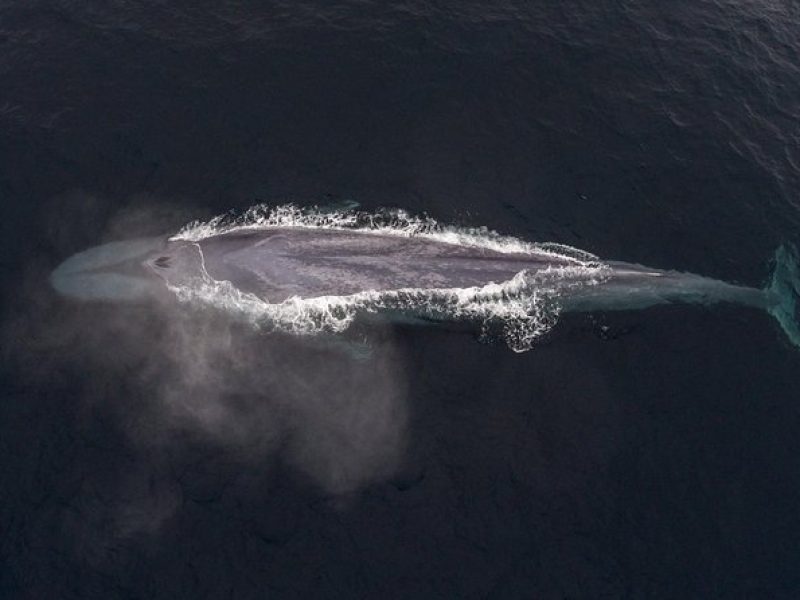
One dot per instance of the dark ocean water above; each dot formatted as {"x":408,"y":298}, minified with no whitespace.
{"x":647,"y":454}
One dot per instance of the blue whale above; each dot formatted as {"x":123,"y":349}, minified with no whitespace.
{"x":308,"y":278}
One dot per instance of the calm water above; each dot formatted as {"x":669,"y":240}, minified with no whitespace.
{"x":647,"y":454}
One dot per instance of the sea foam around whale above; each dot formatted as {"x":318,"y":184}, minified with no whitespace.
{"x":522,"y":308}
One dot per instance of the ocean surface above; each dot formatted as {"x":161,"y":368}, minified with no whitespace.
{"x":152,"y":452}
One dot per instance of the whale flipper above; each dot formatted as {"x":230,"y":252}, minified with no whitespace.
{"x":784,"y":291}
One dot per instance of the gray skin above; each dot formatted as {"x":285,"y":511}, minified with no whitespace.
{"x":277,"y":263}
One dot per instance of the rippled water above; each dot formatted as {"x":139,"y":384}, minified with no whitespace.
{"x":630,"y":455}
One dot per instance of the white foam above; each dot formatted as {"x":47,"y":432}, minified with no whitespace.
{"x":526,"y":306}
{"x":386,"y":222}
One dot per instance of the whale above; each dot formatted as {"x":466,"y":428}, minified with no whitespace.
{"x":312,"y":274}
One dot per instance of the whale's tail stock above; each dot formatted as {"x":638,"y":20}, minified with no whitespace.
{"x":783,"y":291}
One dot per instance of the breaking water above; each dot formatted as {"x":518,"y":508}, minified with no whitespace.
{"x":523,"y":308}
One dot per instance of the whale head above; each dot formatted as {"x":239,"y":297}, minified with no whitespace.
{"x":123,"y":271}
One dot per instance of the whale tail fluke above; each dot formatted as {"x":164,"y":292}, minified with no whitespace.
{"x":784,"y":291}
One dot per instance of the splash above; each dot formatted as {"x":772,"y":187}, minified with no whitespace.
{"x":385,"y":221}
{"x":523,"y":308}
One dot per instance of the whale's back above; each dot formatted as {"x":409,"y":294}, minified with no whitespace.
{"x":279,"y":263}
